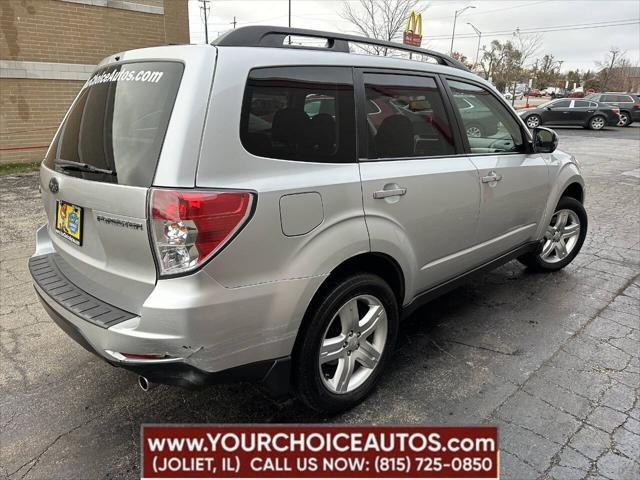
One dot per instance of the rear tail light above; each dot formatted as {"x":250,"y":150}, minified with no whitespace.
{"x":636,"y":106}
{"x":190,"y":226}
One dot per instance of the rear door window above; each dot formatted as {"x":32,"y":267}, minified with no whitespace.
{"x":116,"y":127}
{"x":300,"y":113}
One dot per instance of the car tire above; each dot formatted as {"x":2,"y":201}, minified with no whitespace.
{"x":533,"y":121}
{"x":625,"y":119}
{"x":572,"y":233}
{"x":475,"y":131}
{"x":598,"y":122}
{"x":331,"y":322}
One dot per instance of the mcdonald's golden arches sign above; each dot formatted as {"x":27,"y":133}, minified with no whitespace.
{"x":413,"y":32}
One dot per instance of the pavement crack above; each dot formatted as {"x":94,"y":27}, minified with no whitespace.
{"x":512,"y":354}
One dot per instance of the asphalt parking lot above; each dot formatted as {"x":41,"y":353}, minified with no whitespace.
{"x":552,"y":359}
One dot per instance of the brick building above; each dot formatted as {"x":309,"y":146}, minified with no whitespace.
{"x":48,"y":49}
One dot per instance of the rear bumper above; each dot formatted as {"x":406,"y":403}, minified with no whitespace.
{"x":203,"y":332}
{"x":274,"y":374}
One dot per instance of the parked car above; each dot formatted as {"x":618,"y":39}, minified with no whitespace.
{"x":558,"y":95}
{"x":584,"y":113}
{"x":628,"y":103}
{"x":510,"y":95}
{"x":479,"y":120}
{"x":534,"y":92}
{"x":224,"y":212}
{"x":576,"y":95}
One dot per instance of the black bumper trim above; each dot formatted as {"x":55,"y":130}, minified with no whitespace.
{"x":47,"y":274}
{"x":273,"y":374}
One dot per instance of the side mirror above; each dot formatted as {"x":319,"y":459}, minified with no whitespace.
{"x":545,"y":140}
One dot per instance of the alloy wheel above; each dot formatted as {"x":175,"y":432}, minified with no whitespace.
{"x":597,"y":123}
{"x":353,"y":344}
{"x":561,"y":236}
{"x":474,"y":132}
{"x":533,"y":122}
{"x":624,"y":119}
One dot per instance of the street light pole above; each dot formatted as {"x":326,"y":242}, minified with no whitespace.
{"x":455,"y":17}
{"x":475,"y":64}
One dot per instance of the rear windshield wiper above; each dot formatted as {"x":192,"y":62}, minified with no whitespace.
{"x":83,"y":167}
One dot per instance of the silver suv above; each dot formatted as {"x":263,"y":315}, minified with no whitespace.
{"x":248,"y":210}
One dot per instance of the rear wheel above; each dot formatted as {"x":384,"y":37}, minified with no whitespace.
{"x":625,"y":119}
{"x":533,"y":121}
{"x":563,"y":237}
{"x":345,"y":343}
{"x":475,"y":131}
{"x":597,"y":123}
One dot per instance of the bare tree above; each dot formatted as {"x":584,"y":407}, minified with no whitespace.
{"x":611,"y":61}
{"x":381,"y":19}
{"x":527,"y":44}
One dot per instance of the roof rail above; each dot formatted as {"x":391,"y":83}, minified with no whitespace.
{"x":268,"y":36}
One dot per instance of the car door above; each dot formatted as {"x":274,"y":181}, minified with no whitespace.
{"x":558,"y":113}
{"x":420,"y":192}
{"x":581,"y":111}
{"x":514,"y":183}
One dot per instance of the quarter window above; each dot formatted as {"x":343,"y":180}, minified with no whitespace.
{"x":406,"y":117}
{"x":489,"y":125}
{"x":300,"y":113}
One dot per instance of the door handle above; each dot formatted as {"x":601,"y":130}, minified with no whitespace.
{"x":392,"y":192}
{"x":491,"y":177}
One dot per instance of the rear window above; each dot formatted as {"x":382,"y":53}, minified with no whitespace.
{"x":616,"y":98}
{"x":118,"y":123}
{"x":300,"y":113}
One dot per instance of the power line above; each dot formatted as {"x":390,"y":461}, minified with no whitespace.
{"x":551,"y":28}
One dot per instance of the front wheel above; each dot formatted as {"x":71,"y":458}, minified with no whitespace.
{"x":533,"y":121}
{"x":597,"y":123}
{"x":563,"y":237}
{"x":345,"y":342}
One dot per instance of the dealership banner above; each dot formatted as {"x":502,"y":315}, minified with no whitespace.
{"x":318,"y":451}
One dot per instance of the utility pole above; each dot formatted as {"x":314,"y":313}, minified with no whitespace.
{"x":205,"y":7}
{"x":234,"y":22}
{"x":289,"y":20}
{"x":614,"y":54}
{"x":455,"y":17}
{"x":479,"y":33}
{"x":560,"y":62}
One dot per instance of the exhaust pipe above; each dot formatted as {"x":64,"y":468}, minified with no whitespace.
{"x":145,"y":384}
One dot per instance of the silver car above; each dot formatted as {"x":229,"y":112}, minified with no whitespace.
{"x":248,"y":210}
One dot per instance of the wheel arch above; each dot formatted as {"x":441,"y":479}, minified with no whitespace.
{"x":574,"y":190}
{"x":568,"y":182}
{"x":377,"y":263}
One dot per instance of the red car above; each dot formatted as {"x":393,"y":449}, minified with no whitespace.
{"x":534,"y":93}
{"x":576,"y":95}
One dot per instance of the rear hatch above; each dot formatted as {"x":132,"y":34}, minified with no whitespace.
{"x":100,"y":167}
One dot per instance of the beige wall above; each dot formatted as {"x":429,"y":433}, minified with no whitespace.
{"x":67,"y":32}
